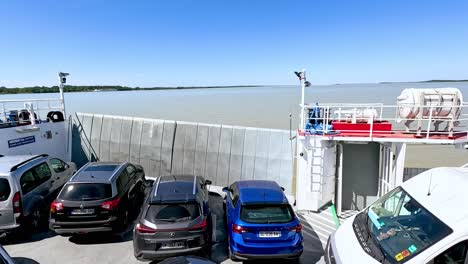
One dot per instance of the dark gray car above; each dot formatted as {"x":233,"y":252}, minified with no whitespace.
{"x":175,"y":219}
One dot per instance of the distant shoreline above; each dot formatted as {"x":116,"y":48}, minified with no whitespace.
{"x":429,"y":81}
{"x":107,"y":88}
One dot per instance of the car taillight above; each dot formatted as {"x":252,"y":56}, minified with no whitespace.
{"x":56,"y":206}
{"x":141,"y":228}
{"x":297,"y":228}
{"x":17,"y":203}
{"x":239,"y":229}
{"x":110,"y":205}
{"x":202,"y":225}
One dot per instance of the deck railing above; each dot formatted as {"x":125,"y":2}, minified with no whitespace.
{"x":370,"y":119}
{"x":17,"y":112}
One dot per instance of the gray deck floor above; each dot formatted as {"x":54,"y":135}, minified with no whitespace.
{"x":47,"y":247}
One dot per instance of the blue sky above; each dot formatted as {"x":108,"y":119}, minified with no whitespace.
{"x":183,"y":43}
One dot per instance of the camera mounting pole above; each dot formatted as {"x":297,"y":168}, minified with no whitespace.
{"x":304,"y":83}
{"x":62,"y":81}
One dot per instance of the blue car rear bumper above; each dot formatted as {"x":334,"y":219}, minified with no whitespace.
{"x":242,"y":250}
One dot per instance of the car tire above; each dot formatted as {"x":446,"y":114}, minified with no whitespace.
{"x":36,"y":220}
{"x":230,"y":255}
{"x":122,"y":226}
{"x":208,"y":247}
{"x":294,"y":261}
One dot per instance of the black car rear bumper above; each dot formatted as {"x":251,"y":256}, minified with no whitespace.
{"x":83,"y":227}
{"x":157,"y":255}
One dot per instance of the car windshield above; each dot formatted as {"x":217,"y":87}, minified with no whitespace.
{"x":158,"y":213}
{"x":266,"y":213}
{"x":4,"y":189}
{"x":402,"y":227}
{"x":86,"y":191}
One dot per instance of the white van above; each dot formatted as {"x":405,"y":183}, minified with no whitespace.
{"x":425,"y":220}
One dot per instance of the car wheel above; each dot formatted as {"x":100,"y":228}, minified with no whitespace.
{"x":208,"y":247}
{"x":124,"y":221}
{"x":294,"y":261}
{"x":230,"y":255}
{"x":37,"y":219}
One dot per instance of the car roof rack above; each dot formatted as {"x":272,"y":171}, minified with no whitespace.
{"x":194,"y":184}
{"x":157,"y":186}
{"x":26,"y":161}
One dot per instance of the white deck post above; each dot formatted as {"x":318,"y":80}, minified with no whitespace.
{"x":62,"y":99}
{"x":302,"y":80}
{"x":62,"y":81}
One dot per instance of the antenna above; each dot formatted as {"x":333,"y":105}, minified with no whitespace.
{"x":430,"y":183}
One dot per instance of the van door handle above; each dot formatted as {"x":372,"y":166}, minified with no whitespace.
{"x":58,"y":178}
{"x":52,"y":182}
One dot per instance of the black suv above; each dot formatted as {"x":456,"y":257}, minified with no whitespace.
{"x":175,"y":219}
{"x":99,"y":197}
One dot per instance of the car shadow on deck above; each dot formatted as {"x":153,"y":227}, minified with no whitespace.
{"x":20,"y":260}
{"x":107,"y":237}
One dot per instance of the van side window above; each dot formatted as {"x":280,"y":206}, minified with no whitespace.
{"x":5,"y":189}
{"x":28,"y":181}
{"x":42,"y":172}
{"x":57,"y":165}
{"x":454,"y":255}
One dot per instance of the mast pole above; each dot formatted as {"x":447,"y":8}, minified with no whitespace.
{"x":302,"y":79}
{"x":62,"y":81}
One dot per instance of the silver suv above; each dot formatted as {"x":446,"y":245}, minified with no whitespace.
{"x":27,"y":186}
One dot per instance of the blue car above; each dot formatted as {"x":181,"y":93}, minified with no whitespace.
{"x":260,"y":222}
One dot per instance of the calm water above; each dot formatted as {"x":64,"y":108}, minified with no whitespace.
{"x":258,"y":107}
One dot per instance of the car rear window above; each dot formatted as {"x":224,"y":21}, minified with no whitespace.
{"x":4,"y":189}
{"x":172,"y":212}
{"x":86,"y":191}
{"x":266,"y":213}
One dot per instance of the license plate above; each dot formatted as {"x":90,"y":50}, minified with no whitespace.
{"x":172,"y":245}
{"x":86,"y":211}
{"x":269,"y":234}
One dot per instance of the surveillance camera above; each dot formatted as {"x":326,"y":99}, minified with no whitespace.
{"x":62,"y":77}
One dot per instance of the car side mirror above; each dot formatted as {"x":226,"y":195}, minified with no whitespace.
{"x":282,"y":188}
{"x":226,"y":189}
{"x":208,"y":182}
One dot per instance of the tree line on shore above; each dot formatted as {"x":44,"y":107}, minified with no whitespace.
{"x":93,"y":88}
